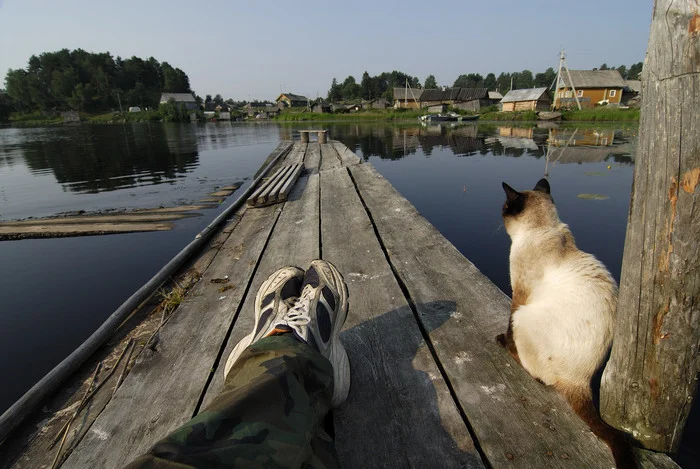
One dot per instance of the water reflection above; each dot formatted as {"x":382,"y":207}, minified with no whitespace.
{"x":95,"y":159}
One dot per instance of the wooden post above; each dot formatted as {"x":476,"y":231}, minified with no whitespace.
{"x":651,"y":379}
{"x":304,"y":137}
{"x":322,"y":136}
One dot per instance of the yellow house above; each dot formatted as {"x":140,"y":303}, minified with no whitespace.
{"x":592,"y":87}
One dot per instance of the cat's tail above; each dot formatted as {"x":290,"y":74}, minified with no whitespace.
{"x":581,"y":400}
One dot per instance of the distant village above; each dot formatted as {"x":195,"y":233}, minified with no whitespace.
{"x":577,"y":88}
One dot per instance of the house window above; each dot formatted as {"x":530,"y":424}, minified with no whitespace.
{"x":612,"y":93}
{"x":579,"y":93}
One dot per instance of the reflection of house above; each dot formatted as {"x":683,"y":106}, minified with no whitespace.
{"x":592,"y":87}
{"x":471,"y":99}
{"x":291,"y":100}
{"x":578,"y":155}
{"x":407,"y":98}
{"x":517,"y":137}
{"x":578,"y":137}
{"x":535,"y":99}
{"x":186,"y":98}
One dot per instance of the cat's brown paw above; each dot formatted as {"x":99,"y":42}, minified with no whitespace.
{"x":501,"y":340}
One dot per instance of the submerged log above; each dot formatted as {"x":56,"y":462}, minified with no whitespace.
{"x":651,"y":379}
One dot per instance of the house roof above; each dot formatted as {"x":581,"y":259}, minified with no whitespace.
{"x":210,"y":106}
{"x":180,"y":97}
{"x":527,"y":94}
{"x":634,"y":85}
{"x":293,"y":97}
{"x":454,"y":94}
{"x":594,"y":79}
{"x":413,"y":93}
{"x":495,"y":95}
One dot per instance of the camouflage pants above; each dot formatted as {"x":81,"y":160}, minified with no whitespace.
{"x":271,"y":413}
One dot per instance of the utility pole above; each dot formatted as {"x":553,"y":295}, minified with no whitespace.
{"x":563,"y":65}
{"x":120,"y":103}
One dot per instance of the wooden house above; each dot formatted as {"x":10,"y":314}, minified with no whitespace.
{"x":291,"y":100}
{"x":186,"y":98}
{"x":592,"y":87}
{"x":376,"y":103}
{"x":495,"y":98}
{"x":321,"y":107}
{"x":407,"y":98}
{"x":529,"y":99}
{"x":470,"y":99}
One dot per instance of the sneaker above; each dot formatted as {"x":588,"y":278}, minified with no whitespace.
{"x":317,"y":318}
{"x":276,"y":295}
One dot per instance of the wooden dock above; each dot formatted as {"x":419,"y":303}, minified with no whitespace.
{"x":430,"y":387}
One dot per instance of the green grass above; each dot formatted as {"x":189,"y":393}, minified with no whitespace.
{"x":368,"y":116}
{"x":33,"y":118}
{"x":601,"y":114}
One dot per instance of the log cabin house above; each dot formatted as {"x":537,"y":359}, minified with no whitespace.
{"x":529,"y":99}
{"x":592,"y":87}
{"x":407,"y":98}
{"x":291,"y":100}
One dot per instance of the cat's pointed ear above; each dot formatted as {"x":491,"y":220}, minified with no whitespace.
{"x":542,"y":186}
{"x":511,"y":194}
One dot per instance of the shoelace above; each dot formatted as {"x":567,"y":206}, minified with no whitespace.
{"x":297,"y":317}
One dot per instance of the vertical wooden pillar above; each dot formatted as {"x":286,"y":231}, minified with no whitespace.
{"x":304,"y":137}
{"x":651,"y":379}
{"x":322,"y":136}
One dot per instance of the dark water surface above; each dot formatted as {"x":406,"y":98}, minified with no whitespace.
{"x":55,"y":292}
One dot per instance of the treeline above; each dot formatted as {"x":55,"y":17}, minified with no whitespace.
{"x":383,"y":85}
{"x":86,"y":81}
{"x":378,"y":86}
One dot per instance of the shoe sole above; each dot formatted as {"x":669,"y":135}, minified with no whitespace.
{"x":339,"y":356}
{"x":247,"y":340}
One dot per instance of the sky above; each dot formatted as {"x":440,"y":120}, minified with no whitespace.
{"x":255,"y":49}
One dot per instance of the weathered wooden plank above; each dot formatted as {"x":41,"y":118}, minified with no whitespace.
{"x":296,"y":155}
{"x":276,"y":180}
{"x":329,"y":157}
{"x":295,"y":241}
{"x":289,"y":183}
{"x":163,"y":388}
{"x":347,"y":157}
{"x":312,"y":160}
{"x":651,"y":379}
{"x":400,"y":412}
{"x":651,"y":460}
{"x":517,"y":421}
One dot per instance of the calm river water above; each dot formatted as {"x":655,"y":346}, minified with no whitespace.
{"x":55,"y":292}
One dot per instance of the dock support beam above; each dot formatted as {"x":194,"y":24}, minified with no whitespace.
{"x":650,"y":381}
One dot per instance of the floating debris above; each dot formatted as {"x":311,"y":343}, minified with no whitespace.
{"x":593,"y":196}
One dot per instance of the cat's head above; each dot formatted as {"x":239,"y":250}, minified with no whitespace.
{"x":529,"y":209}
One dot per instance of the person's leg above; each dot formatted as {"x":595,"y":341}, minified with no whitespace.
{"x":278,"y":389}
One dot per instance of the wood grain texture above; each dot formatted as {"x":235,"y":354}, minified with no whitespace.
{"x":399,"y":412}
{"x":347,"y":157}
{"x":517,"y":421}
{"x":163,"y":388}
{"x":329,"y":157}
{"x":651,"y":379}
{"x":312,"y":159}
{"x":295,"y":241}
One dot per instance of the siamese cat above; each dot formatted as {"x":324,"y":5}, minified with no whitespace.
{"x":563,"y":308}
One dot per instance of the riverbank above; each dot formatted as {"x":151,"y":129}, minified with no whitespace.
{"x":600,"y":114}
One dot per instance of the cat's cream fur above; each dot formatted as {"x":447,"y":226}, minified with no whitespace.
{"x":563,"y":307}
